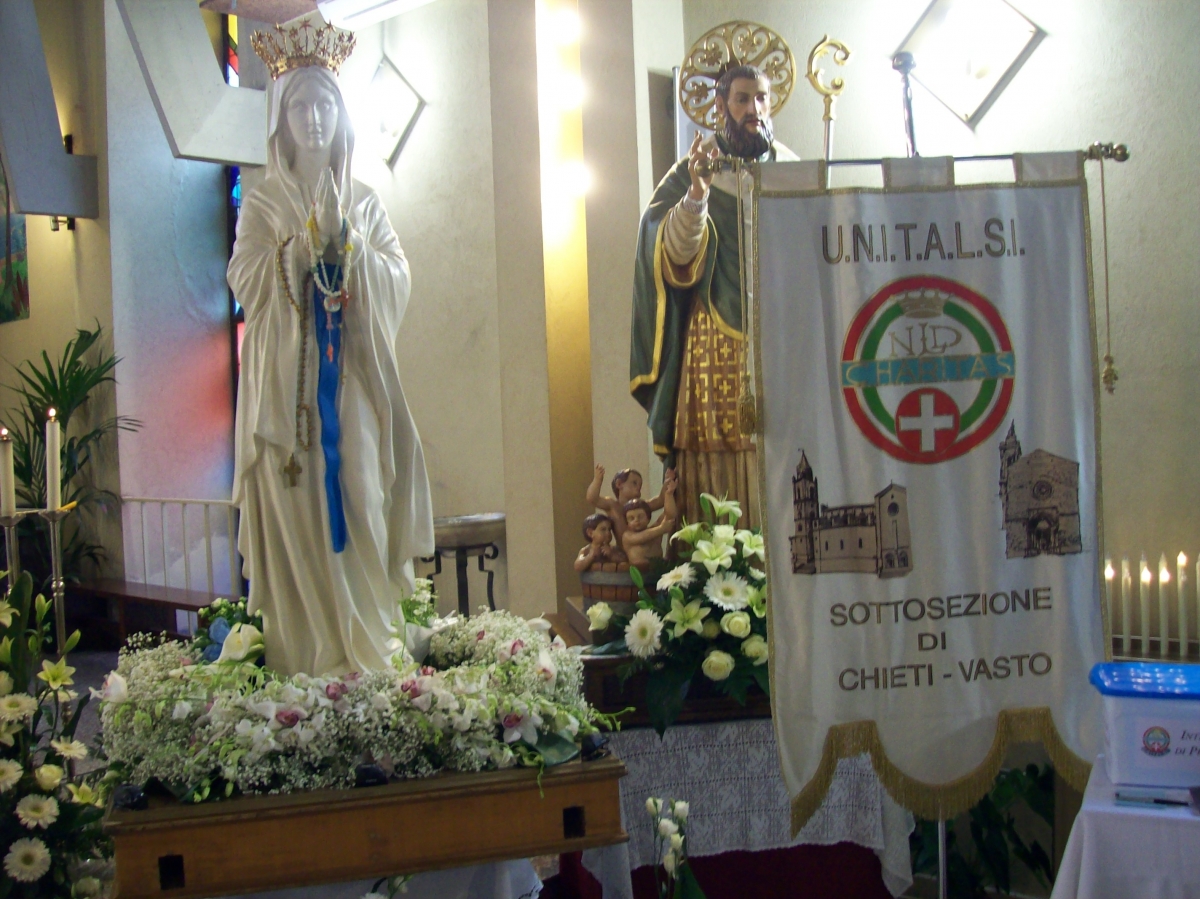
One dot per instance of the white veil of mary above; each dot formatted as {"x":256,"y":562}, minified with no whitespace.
{"x":324,"y":610}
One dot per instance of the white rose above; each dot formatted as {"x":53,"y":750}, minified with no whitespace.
{"x":717,"y":665}
{"x":680,"y":810}
{"x":669,"y":862}
{"x":755,"y":649}
{"x":653,"y":806}
{"x":712,"y":630}
{"x":736,"y":624}
{"x":48,"y":777}
{"x":667,"y":827}
{"x":599,"y":616}
{"x":676,"y":842}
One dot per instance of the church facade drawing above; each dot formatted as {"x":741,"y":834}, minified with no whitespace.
{"x":1039,"y":493}
{"x":867,"y":538}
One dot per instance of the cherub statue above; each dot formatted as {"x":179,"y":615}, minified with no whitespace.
{"x":626,"y":486}
{"x":641,"y":540}
{"x":598,"y":531}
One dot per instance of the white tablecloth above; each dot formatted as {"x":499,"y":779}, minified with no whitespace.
{"x":729,"y":774}
{"x":503,"y":880}
{"x":1123,"y":852}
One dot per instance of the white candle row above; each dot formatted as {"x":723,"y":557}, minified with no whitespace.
{"x":1154,"y":591}
{"x":8,"y":479}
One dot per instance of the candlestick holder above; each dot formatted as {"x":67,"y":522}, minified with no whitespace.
{"x":54,"y":518}
{"x":12,"y":544}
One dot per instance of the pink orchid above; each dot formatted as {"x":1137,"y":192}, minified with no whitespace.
{"x":479,"y":636}
{"x":288,"y":717}
{"x":336,"y":691}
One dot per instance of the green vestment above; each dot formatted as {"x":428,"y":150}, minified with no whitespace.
{"x":660,"y":310}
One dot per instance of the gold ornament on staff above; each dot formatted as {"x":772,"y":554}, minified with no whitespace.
{"x":720,"y":49}
{"x":829,"y":92}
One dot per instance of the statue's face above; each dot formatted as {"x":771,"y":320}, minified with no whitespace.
{"x":749,"y":104}
{"x":312,"y":116}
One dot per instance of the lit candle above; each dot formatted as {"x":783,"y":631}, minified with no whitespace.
{"x":53,"y":460}
{"x":1109,"y":574}
{"x":1164,"y":611}
{"x":1181,"y":580}
{"x":8,"y":481}
{"x":1144,"y":604}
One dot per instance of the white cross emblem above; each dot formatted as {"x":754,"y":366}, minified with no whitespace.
{"x":927,"y":423}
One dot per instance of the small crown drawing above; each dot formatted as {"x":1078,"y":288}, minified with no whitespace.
{"x":925,"y":303}
{"x":302,"y":45}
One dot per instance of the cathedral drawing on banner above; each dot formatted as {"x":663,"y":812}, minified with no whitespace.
{"x":870,"y":538}
{"x":1040,"y":495}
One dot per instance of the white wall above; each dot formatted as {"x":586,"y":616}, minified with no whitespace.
{"x":1110,"y":70}
{"x":170,"y":306}
{"x":439,"y":198}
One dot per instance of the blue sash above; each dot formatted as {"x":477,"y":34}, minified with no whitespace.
{"x":329,"y":354}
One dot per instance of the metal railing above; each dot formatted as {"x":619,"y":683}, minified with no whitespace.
{"x":1154,"y":610}
{"x":180,"y":547}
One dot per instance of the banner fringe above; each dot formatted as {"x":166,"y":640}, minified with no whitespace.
{"x":938,"y":802}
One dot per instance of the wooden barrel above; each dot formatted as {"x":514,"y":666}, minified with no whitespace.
{"x":608,"y":582}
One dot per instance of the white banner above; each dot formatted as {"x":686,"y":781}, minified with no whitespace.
{"x":929,"y":471}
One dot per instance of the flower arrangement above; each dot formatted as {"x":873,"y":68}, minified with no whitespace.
{"x":494,"y":691}
{"x":670,"y":844}
{"x":218,"y":621}
{"x":707,"y":615}
{"x":49,"y":820}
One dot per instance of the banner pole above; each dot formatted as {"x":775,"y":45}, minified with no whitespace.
{"x":904,"y":64}
{"x":942,"y":884}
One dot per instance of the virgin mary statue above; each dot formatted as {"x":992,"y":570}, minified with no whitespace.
{"x":329,"y":475}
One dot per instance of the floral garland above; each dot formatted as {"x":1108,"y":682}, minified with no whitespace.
{"x":706,"y":615}
{"x":494,"y":692}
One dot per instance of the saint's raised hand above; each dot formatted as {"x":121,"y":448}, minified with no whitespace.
{"x":327,"y":206}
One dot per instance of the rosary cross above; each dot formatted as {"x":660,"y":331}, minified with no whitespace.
{"x":292,"y":470}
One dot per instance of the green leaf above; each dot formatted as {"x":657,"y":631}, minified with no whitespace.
{"x":636,"y":576}
{"x":72,"y":642}
{"x":666,"y":689}
{"x":686,"y":885}
{"x":555,"y":749}
{"x":762,"y":677}
{"x":69,"y":730}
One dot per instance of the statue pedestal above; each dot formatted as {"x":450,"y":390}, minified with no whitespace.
{"x":272,"y":842}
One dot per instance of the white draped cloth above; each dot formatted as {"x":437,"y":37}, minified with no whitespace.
{"x":323,"y":611}
{"x":729,"y":775}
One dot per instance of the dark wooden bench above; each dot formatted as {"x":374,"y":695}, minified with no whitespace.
{"x":138,"y":607}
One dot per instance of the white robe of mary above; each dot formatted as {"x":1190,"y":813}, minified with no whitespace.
{"x":324,"y":612}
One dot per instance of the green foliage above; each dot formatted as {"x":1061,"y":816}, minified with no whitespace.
{"x":65,"y":385}
{"x":995,"y":840}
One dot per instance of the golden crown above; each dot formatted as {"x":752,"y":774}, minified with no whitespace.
{"x":302,"y":45}
{"x":923,"y":303}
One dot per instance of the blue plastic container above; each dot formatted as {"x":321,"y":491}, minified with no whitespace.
{"x":1151,"y":722}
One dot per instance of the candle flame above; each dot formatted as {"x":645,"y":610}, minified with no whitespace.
{"x":1147,"y":577}
{"x":1109,"y":573}
{"x":1164,"y":576}
{"x":3,"y":433}
{"x":51,"y":413}
{"x":1181,"y":559}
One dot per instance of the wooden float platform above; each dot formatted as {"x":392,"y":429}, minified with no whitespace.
{"x":257,"y":843}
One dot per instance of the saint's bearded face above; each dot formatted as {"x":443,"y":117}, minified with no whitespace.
{"x":747,"y":113}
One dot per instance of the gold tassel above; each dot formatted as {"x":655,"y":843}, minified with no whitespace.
{"x":747,"y":413}
{"x":1108,"y":377}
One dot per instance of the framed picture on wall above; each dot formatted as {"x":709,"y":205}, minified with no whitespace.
{"x":14,"y":264}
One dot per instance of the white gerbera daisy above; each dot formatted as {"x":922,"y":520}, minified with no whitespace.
{"x":37,"y":811}
{"x":27,"y":860}
{"x":17,"y":706}
{"x":642,"y":633}
{"x":729,"y":591}
{"x":70,"y":749}
{"x":680,"y":576}
{"x":10,"y":773}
